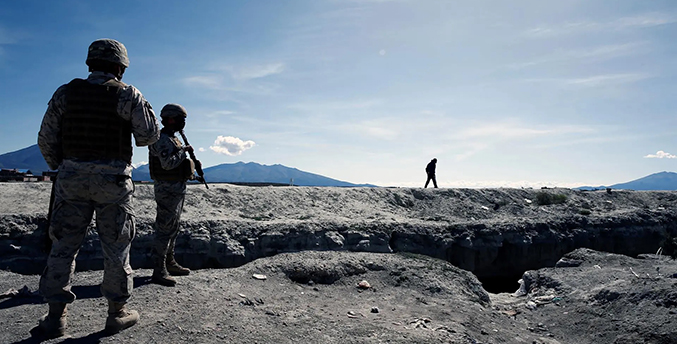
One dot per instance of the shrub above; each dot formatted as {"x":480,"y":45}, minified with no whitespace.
{"x":546,"y":198}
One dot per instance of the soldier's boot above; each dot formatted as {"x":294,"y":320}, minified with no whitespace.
{"x":52,"y":324}
{"x":174,"y":268}
{"x":160,"y":274}
{"x":119,"y":317}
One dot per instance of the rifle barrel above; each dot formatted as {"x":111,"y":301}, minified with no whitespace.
{"x":198,"y":165}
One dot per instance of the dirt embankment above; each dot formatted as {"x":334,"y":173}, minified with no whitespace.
{"x":495,"y":233}
{"x":304,"y":240}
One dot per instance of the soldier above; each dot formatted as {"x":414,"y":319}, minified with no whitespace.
{"x":86,"y":134}
{"x":170,"y":168}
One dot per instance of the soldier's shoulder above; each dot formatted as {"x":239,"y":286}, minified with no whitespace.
{"x":131,"y":92}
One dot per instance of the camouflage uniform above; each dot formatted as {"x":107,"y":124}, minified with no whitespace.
{"x":84,"y":187}
{"x":169,"y":195}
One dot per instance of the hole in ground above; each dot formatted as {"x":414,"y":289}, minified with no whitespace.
{"x":501,"y":284}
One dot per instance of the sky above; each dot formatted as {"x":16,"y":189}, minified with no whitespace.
{"x":503,"y":93}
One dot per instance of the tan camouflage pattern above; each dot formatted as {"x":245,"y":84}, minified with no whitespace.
{"x":110,"y":50}
{"x":166,"y":149}
{"x":173,"y":110}
{"x":83,"y":188}
{"x":77,"y":197}
{"x":169,"y":196}
{"x":131,"y":106}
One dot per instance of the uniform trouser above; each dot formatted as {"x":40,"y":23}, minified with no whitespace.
{"x":77,"y":197}
{"x":169,"y":197}
{"x":431,"y":176}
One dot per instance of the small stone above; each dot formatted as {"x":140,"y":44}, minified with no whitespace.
{"x":374,"y":309}
{"x":364,"y":285}
{"x":259,"y":277}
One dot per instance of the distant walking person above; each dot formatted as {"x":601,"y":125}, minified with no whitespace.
{"x":430,"y":170}
{"x":170,"y":168}
{"x":86,"y":134}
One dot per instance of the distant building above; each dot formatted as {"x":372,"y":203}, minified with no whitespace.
{"x":22,"y":175}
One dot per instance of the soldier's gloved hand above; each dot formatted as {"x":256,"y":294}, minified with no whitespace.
{"x":188,"y":149}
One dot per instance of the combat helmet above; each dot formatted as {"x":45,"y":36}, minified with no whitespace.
{"x":110,"y":50}
{"x":173,"y":110}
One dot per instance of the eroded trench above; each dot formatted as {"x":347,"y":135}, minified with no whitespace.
{"x":497,"y":254}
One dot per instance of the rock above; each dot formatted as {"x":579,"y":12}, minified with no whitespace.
{"x":374,"y":309}
{"x":364,"y":285}
{"x":568,"y":263}
{"x":531,"y":305}
{"x":259,"y":277}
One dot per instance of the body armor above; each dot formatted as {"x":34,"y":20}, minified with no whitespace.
{"x":91,"y":128}
{"x":182,"y":173}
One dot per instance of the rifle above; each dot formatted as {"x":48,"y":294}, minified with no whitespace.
{"x":198,"y":164}
{"x":48,"y":239}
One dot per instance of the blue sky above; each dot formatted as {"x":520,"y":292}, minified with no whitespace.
{"x":502,"y":93}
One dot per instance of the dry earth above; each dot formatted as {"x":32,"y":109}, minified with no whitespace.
{"x":591,"y":297}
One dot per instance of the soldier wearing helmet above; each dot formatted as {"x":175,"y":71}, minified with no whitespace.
{"x":86,"y":134}
{"x":170,"y":168}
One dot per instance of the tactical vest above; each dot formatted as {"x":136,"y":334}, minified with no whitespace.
{"x":91,"y":128}
{"x":183,"y":172}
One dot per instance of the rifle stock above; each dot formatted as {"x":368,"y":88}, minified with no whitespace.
{"x":198,"y":164}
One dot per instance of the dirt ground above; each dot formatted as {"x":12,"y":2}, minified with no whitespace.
{"x":315,"y":297}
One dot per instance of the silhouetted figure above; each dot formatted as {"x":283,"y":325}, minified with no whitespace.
{"x":430,"y":170}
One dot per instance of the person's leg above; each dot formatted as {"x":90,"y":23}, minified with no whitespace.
{"x":116,"y":226}
{"x":434,"y":181}
{"x":71,"y":215}
{"x":169,"y":198}
{"x":427,"y":181}
{"x":173,"y":267}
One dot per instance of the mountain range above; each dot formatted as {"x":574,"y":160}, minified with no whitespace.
{"x":31,"y":159}
{"x":657,"y":181}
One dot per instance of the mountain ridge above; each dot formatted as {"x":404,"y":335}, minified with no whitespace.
{"x":252,"y":172}
{"x":660,"y":181}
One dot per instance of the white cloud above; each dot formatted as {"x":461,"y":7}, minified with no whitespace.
{"x":207,"y":81}
{"x":220,"y":113}
{"x":661,"y":155}
{"x":596,"y":80}
{"x":601,"y":80}
{"x":507,"y":130}
{"x":624,"y":23}
{"x":252,"y":71}
{"x":229,"y":145}
{"x":201,"y":149}
{"x":140,"y":163}
{"x":598,"y":53}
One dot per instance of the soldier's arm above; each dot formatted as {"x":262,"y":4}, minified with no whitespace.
{"x":49,"y":137}
{"x":135,"y":107}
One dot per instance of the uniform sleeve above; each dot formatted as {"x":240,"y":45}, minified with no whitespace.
{"x":49,"y":137}
{"x":165,"y":149}
{"x":137,"y":109}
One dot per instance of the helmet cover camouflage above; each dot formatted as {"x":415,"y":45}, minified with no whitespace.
{"x":110,"y":50}
{"x":173,"y":110}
